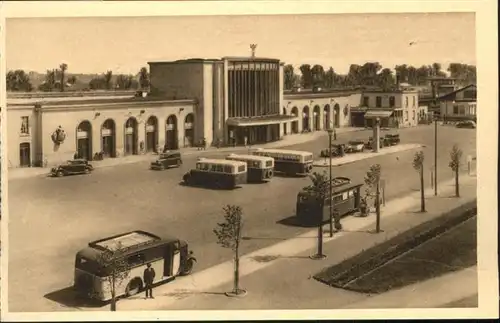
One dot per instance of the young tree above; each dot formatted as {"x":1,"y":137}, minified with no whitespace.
{"x":372,"y":181}
{"x":319,"y":189}
{"x":63,"y":68}
{"x":418,"y":165}
{"x":228,"y":235}
{"x":455,"y":162}
{"x":115,"y":270}
{"x":144,"y":78}
{"x":50,"y":81}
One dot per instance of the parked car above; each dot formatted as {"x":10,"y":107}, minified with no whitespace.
{"x":72,"y":167}
{"x":355,"y":146}
{"x":466,"y":124}
{"x":338,"y":150}
{"x":166,"y":160}
{"x":391,"y":139}
{"x":369,"y":144}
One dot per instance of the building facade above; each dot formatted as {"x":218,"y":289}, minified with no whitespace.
{"x":228,"y":101}
{"x":460,"y":104}
{"x":49,"y":133}
{"x":398,"y":108}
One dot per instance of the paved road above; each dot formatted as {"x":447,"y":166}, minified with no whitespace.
{"x":51,"y":219}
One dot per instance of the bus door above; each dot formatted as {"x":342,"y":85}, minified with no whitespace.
{"x":172,"y":260}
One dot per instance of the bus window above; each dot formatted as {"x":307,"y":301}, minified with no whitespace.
{"x":137,"y":259}
{"x":337,"y":198}
{"x":269,"y":163}
{"x":219,"y":168}
{"x":345,"y":195}
{"x":241,"y":168}
{"x":227,"y":169}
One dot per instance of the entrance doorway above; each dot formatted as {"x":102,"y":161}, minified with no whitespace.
{"x":131,"y":137}
{"x":152,"y":134}
{"x":171,"y":133}
{"x":189,"y":130}
{"x":84,"y":140}
{"x":295,"y":124}
{"x":25,"y":154}
{"x":108,"y":139}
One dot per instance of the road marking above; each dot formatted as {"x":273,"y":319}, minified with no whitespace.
{"x":223,"y":273}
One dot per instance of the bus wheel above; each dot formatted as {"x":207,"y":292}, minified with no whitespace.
{"x":59,"y":174}
{"x":188,"y":268}
{"x":186,"y":178}
{"x":133,"y":287}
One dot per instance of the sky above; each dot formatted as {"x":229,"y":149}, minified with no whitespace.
{"x":125,"y":44}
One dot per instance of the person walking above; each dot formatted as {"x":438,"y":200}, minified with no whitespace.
{"x":149,"y":276}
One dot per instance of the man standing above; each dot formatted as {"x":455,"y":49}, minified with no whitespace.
{"x":149,"y":276}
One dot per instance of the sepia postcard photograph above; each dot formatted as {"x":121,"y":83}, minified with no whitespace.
{"x":249,"y":160}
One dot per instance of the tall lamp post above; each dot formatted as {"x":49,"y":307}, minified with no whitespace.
{"x":330,"y":199}
{"x":435,"y":154}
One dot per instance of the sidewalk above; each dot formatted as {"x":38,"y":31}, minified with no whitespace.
{"x":280,"y":276}
{"x":354,"y":157}
{"x":295,"y":139}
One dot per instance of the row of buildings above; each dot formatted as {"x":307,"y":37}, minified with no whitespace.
{"x":227,"y":101}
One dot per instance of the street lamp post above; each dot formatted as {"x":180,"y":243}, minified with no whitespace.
{"x":435,"y":155}
{"x":330,"y":199}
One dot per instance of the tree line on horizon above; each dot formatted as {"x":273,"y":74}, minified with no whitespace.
{"x":373,"y":74}
{"x":57,"y":80}
{"x":311,"y":76}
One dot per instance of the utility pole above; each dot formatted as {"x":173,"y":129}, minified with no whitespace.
{"x":377,"y":207}
{"x":330,"y":199}
{"x":435,"y":155}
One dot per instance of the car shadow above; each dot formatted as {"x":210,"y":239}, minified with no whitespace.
{"x":68,"y":297}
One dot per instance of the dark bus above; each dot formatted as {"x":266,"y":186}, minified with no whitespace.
{"x":217,"y":173}
{"x":289,"y":162}
{"x":259,"y":168}
{"x":346,"y":197}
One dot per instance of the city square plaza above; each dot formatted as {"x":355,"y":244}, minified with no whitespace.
{"x":52,"y":218}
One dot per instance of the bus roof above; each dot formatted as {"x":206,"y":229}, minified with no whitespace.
{"x":342,"y":186}
{"x":249,"y":157}
{"x":221,"y":161}
{"x":282,"y":151}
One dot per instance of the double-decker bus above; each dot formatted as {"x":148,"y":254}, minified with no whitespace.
{"x":218,"y":173}
{"x":289,"y":162}
{"x":345,"y":200}
{"x":126,"y":256}
{"x":259,"y":168}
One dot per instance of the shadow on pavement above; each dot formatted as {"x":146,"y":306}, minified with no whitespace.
{"x":211,"y":188}
{"x":184,"y":293}
{"x":69,"y":298}
{"x":269,"y":258}
{"x":294,"y":222}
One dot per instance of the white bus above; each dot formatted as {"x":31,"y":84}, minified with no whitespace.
{"x":259,"y":168}
{"x":127,"y":255}
{"x":289,"y":162}
{"x":218,"y":173}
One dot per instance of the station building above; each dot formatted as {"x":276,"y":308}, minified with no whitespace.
{"x":228,"y":101}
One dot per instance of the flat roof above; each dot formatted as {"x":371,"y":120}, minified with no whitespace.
{"x":89,"y":101}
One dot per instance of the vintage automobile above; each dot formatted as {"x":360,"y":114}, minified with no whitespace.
{"x":391,"y":139}
{"x":133,"y":251}
{"x":466,"y":124}
{"x":72,"y":167}
{"x":166,"y":160}
{"x":355,"y":146}
{"x":369,"y":144}
{"x":338,"y":150}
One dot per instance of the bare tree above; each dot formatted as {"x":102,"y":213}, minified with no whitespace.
{"x":418,"y":165}
{"x":372,"y":181}
{"x":229,"y":236}
{"x":455,"y":162}
{"x":115,"y":270}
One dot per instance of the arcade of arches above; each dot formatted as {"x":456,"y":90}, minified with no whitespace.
{"x":131,"y":144}
{"x":312,"y":119}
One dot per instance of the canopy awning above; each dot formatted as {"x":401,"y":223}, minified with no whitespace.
{"x":370,"y":114}
{"x":260,"y":121}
